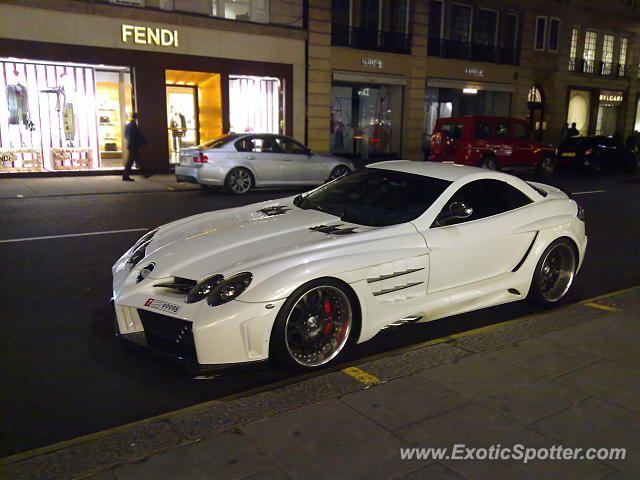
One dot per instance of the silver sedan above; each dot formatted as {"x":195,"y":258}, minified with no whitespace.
{"x":240,"y":162}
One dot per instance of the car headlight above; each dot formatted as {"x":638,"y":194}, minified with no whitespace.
{"x":204,"y":288}
{"x":229,"y":289}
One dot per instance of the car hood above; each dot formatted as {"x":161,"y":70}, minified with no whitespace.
{"x":236,"y":240}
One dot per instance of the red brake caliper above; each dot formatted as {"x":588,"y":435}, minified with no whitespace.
{"x":327,"y":309}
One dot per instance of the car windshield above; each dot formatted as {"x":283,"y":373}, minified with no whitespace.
{"x":218,"y":142}
{"x":375,"y":197}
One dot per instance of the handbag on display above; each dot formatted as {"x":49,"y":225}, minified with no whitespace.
{"x":110,"y":147}
{"x":104,"y":119}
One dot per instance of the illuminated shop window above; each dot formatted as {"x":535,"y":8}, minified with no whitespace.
{"x":254,"y":104}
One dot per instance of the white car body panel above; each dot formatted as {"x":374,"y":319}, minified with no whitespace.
{"x":397,"y":271}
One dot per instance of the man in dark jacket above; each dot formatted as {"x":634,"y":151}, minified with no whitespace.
{"x":134,"y":140}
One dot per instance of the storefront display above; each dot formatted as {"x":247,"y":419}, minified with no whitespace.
{"x":62,"y":116}
{"x":366,"y":120}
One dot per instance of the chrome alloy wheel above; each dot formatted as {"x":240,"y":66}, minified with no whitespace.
{"x":318,"y":326}
{"x":239,"y":180}
{"x":339,"y":171}
{"x":557,"y":271}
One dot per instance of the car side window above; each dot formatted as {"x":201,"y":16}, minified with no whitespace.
{"x":287,"y":145}
{"x":481,"y":130}
{"x":453,"y":130}
{"x":519,"y":131}
{"x":486,"y":197}
{"x":502,"y":130}
{"x":244,"y":145}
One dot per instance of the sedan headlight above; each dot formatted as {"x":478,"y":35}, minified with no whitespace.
{"x":229,"y":289}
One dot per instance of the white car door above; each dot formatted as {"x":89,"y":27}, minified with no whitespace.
{"x":301,"y":166}
{"x":483,"y":245}
{"x":260,"y":152}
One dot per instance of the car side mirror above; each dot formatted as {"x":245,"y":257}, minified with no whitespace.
{"x":455,"y":210}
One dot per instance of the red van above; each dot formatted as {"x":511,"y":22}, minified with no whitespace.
{"x":490,"y":142}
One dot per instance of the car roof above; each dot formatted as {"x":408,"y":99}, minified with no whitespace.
{"x":478,"y":117}
{"x":441,"y":170}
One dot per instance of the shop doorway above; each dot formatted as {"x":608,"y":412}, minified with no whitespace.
{"x":194,"y":109}
{"x":535,"y":104}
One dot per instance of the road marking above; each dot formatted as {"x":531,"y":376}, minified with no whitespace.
{"x":49,"y":237}
{"x":588,"y":192}
{"x":603,"y":307}
{"x":362,"y":376}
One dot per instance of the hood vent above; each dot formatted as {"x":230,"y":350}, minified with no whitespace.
{"x":333,"y":229}
{"x":275,"y":210}
{"x":179,"y":285}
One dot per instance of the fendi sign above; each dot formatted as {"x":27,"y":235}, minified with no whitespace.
{"x":149,"y":36}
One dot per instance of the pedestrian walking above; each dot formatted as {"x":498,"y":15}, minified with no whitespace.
{"x":135,"y":140}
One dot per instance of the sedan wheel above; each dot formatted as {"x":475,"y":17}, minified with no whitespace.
{"x":313,"y":326}
{"x":546,"y":167}
{"x":555,"y":272}
{"x":238,"y":181}
{"x":339,"y":171}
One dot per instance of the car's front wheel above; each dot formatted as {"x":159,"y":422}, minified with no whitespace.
{"x":314,"y":325}
{"x":554,"y":272}
{"x":339,"y":171}
{"x":239,"y":181}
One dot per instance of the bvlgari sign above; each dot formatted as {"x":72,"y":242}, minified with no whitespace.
{"x":149,"y":36}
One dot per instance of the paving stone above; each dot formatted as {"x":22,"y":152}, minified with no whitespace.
{"x":478,"y":376}
{"x":435,"y":471}
{"x":472,"y":424}
{"x":269,"y":475}
{"x":532,"y":400}
{"x":541,"y":355}
{"x":607,"y":380}
{"x":402,"y":402}
{"x":619,"y":476}
{"x":104,"y":475}
{"x":614,"y":346}
{"x":317,"y":389}
{"x":594,"y":423}
{"x":329,"y":440}
{"x":603,"y":325}
{"x":413,"y":361}
{"x":223,"y":457}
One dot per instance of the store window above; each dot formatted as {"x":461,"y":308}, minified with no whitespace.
{"x":579,"y":110}
{"x":255,"y":104}
{"x":62,"y":116}
{"x":366,"y":120}
{"x":609,"y":103}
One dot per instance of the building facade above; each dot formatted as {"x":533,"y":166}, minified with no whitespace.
{"x":364,"y":79}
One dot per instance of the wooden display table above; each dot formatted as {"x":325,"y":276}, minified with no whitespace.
{"x":20,"y":160}
{"x":72,"y":158}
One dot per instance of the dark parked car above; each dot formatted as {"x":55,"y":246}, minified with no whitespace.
{"x":597,"y":153}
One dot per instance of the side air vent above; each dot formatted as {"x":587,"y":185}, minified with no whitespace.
{"x":404,"y":321}
{"x":273,"y":211}
{"x":179,"y":285}
{"x":333,"y":229}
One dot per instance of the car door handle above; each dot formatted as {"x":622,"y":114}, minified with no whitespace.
{"x":250,"y":157}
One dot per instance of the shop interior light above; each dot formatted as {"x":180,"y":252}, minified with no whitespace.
{"x":470,"y":91}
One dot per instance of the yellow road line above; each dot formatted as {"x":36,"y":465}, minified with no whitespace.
{"x":603,"y":307}
{"x":362,"y":376}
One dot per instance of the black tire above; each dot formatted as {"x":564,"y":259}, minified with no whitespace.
{"x":554,"y":272}
{"x":239,"y":181}
{"x":488,"y":162}
{"x":595,"y":165}
{"x":631,"y":164}
{"x":314,"y":325}
{"x":339,"y":171}
{"x":546,"y":167}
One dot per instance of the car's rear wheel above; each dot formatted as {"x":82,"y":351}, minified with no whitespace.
{"x":339,"y":171}
{"x":313,"y":326}
{"x":488,"y":163}
{"x":631,"y":163}
{"x":239,"y":180}
{"x":546,"y":167}
{"x":554,"y":272}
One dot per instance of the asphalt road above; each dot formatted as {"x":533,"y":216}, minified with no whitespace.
{"x":63,"y":374}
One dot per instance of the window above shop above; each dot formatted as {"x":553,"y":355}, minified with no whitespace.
{"x":371,"y":25}
{"x":464,"y":31}
{"x":547,"y":34}
{"x":606,"y":65}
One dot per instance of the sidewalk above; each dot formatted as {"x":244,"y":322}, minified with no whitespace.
{"x":569,"y":376}
{"x":88,"y":185}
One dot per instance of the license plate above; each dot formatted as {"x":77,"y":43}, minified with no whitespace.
{"x":162,"y":305}
{"x":569,"y":154}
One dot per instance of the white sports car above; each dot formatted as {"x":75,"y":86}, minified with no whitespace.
{"x":298,"y":280}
